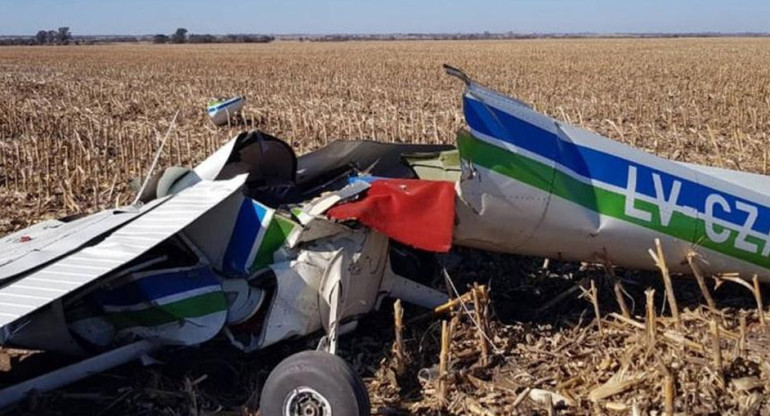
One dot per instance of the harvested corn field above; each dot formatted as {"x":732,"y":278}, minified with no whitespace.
{"x":79,"y":124}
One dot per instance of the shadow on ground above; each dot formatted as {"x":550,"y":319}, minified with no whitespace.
{"x":216,"y":377}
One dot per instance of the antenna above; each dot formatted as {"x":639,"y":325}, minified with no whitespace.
{"x":155,"y":161}
{"x":458,"y":73}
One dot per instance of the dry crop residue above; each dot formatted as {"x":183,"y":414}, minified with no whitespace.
{"x":77,"y":124}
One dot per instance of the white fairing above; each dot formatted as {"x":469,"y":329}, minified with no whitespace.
{"x":221,"y":113}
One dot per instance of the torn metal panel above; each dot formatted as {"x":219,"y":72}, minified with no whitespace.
{"x":323,"y":203}
{"x":315,"y":228}
{"x":331,"y":280}
{"x":552,"y":189}
{"x":293,"y":309}
{"x":378,"y":159}
{"x":300,"y":304}
{"x":352,"y":281}
{"x":129,"y":242}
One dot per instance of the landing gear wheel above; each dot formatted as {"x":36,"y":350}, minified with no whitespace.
{"x":314,"y":383}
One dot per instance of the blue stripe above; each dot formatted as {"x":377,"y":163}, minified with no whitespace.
{"x":154,"y":287}
{"x":244,"y":236}
{"x":599,"y":165}
{"x":224,"y":104}
{"x":363,"y":178}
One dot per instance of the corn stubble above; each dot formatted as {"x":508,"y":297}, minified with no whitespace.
{"x":77,"y":124}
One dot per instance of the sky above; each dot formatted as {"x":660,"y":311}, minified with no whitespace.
{"x":137,"y":17}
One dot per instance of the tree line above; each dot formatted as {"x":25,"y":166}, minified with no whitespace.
{"x":181,"y":36}
{"x":63,"y":36}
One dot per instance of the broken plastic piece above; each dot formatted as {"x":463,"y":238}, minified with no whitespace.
{"x":220,"y":111}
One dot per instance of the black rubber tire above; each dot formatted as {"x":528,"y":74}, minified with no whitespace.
{"x":327,"y":374}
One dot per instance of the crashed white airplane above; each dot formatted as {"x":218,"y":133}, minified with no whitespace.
{"x":259,"y":246}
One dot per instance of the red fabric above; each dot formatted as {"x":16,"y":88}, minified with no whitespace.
{"x":414,"y":212}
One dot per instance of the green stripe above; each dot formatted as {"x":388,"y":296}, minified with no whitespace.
{"x":275,"y":237}
{"x":296,"y":211}
{"x":612,"y":204}
{"x":193,"y":307}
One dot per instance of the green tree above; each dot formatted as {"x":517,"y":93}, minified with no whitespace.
{"x":63,"y":36}
{"x":50,"y":37}
{"x":41,"y":37}
{"x":180,"y":36}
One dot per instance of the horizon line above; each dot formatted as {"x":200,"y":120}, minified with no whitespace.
{"x":505,"y":33}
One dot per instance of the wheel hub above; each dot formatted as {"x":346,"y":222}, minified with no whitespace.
{"x":305,"y":401}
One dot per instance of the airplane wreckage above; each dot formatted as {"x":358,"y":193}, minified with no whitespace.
{"x":259,"y":246}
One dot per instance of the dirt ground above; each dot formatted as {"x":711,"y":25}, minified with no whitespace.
{"x":77,"y":124}
{"x":545,"y":342}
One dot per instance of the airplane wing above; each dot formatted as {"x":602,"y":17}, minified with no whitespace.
{"x":35,"y":290}
{"x":42,"y":243}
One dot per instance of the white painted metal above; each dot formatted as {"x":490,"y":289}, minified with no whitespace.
{"x":45,"y":242}
{"x":116,"y":250}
